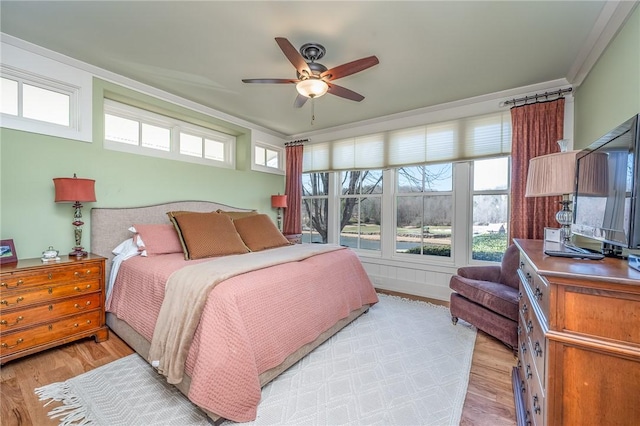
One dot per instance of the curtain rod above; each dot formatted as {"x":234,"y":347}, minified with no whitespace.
{"x":297,"y":142}
{"x":537,"y":96}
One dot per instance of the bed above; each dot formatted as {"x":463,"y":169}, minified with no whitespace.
{"x":251,"y":325}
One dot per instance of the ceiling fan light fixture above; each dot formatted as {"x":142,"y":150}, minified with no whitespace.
{"x":312,"y":87}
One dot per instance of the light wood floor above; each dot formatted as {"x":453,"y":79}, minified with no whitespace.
{"x":489,"y":398}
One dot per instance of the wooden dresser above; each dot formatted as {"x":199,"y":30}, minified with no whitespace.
{"x":43,"y":305}
{"x":578,"y":341}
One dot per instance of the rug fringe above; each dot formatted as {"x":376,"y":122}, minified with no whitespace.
{"x":73,"y":411}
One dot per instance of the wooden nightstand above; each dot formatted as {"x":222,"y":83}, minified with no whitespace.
{"x":43,"y":305}
{"x":294,"y":238}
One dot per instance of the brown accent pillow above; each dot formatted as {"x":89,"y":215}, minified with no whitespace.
{"x":259,"y":232}
{"x":208,"y":235}
{"x":238,"y":215}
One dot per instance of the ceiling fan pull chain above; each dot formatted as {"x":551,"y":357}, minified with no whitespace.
{"x":313,"y":110}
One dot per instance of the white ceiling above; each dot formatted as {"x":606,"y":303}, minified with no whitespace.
{"x":430,"y":52}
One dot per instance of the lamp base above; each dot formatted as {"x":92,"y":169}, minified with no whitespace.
{"x":564,"y":218}
{"x":78,"y":252}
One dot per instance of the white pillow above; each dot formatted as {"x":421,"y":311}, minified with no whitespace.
{"x":138,"y":241}
{"x":126,"y":248}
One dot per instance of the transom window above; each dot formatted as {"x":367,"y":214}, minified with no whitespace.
{"x":136,"y":130}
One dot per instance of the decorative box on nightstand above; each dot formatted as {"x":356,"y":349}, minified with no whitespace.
{"x":294,"y":238}
{"x":43,"y":305}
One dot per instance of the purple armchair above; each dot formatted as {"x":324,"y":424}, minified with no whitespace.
{"x":487,"y":297}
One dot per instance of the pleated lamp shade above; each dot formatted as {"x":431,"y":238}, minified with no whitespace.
{"x":593,"y":174}
{"x":552,"y":174}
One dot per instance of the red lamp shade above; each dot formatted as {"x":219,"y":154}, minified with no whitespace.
{"x":279,"y":201}
{"x":70,"y":190}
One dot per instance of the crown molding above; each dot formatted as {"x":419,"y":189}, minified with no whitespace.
{"x":612,"y":18}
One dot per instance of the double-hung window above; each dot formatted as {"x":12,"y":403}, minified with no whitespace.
{"x":360,"y":209}
{"x":424,"y":209}
{"x":315,"y":207}
{"x":490,"y":200}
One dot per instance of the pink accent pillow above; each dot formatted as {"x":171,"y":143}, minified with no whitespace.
{"x":159,"y":238}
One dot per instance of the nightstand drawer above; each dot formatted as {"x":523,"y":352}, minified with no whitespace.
{"x":28,"y":338}
{"x":26,"y":317}
{"x":23,"y":281}
{"x":17,"y":300}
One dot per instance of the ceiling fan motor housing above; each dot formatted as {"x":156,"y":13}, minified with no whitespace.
{"x":316,"y":70}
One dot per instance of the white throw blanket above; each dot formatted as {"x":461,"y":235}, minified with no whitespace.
{"x":186,"y":293}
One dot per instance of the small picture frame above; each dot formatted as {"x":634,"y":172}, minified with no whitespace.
{"x":552,"y":234}
{"x":8,"y":252}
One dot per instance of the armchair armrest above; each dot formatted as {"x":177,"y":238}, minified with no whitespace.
{"x":482,"y":273}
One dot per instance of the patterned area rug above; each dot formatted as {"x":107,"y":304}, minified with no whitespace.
{"x":402,"y":363}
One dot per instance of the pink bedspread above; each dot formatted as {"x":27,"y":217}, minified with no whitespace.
{"x":250,"y":323}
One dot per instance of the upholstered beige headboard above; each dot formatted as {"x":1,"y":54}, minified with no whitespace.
{"x":109,"y":226}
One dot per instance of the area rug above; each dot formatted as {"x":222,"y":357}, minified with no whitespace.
{"x":402,"y":363}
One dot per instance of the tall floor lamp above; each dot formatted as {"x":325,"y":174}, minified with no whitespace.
{"x":75,"y":190}
{"x":279,"y":202}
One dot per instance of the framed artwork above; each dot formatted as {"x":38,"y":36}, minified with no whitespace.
{"x":8,"y":252}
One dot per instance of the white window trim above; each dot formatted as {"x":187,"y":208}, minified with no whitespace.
{"x":266,"y":141}
{"x":37,"y":70}
{"x":143,"y":116}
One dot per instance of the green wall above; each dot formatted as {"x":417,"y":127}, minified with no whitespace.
{"x":611,"y":92}
{"x":29,"y":162}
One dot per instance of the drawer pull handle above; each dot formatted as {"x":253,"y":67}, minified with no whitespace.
{"x":519,"y":296}
{"x":521,"y":264}
{"x":524,"y":308}
{"x":6,"y":346}
{"x":529,"y":326}
{"x":76,"y":288}
{"x":529,"y":374}
{"x":5,"y":285}
{"x":78,"y":325}
{"x":536,"y":405}
{"x":537,"y":349}
{"x":538,"y":293}
{"x":4,"y":322}
{"x":523,"y":387}
{"x":519,"y":330}
{"x":79,"y":306}
{"x":50,"y":276}
{"x":6,"y":302}
{"x":77,"y":274}
{"x":523,"y":347}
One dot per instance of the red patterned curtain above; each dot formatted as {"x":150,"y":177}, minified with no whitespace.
{"x":293,"y":188}
{"x":536,"y":129}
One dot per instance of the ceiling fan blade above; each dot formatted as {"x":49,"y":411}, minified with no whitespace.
{"x":300,"y":100}
{"x":334,"y":89}
{"x":350,"y":68}
{"x":293,"y":55}
{"x":269,"y":80}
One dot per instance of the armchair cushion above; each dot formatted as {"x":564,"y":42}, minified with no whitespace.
{"x":499,"y":298}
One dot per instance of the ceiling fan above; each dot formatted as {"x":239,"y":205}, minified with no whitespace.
{"x":314,"y":79}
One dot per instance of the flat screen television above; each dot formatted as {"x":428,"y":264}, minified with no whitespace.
{"x":607,"y":188}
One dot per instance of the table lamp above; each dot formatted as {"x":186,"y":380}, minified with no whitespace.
{"x":75,"y":190}
{"x":279,"y":202}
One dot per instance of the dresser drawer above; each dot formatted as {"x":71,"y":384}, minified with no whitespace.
{"x":538,"y":286}
{"x":43,"y":294}
{"x":25,"y":280}
{"x":26,"y":317}
{"x":28,"y":338}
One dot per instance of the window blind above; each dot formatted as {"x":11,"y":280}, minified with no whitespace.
{"x":457,"y":140}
